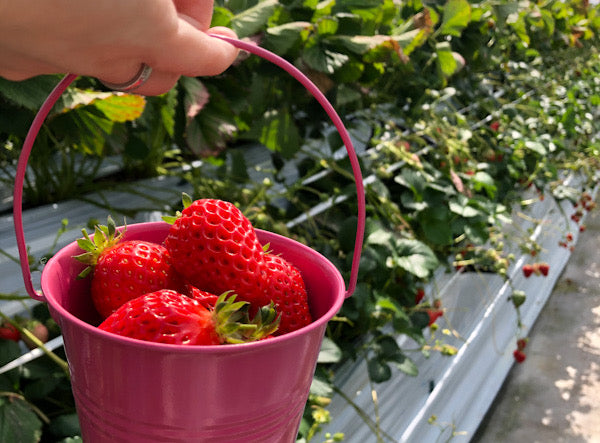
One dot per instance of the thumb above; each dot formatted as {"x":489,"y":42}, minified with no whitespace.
{"x":194,"y":53}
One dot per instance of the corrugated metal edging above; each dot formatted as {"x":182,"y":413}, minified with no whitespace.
{"x":458,"y":390}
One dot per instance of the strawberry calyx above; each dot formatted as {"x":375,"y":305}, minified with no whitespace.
{"x":187,"y":201}
{"x":104,"y":237}
{"x":233,"y":324}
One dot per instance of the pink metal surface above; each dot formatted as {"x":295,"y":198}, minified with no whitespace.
{"x":134,"y":391}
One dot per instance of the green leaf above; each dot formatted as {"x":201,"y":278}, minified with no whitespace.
{"x":408,"y":367}
{"x":437,"y":231}
{"x":278,"y":132}
{"x":379,"y":237}
{"x":414,"y":257}
{"x":517,"y":22}
{"x":18,"y":423}
{"x":320,"y":387}
{"x":121,"y":107}
{"x":360,"y":44}
{"x":379,"y":371}
{"x":195,"y":96}
{"x":253,"y":19}
{"x":536,"y":147}
{"x":65,"y":426}
{"x":484,"y":181}
{"x":386,"y":348}
{"x":461,"y":207}
{"x":330,"y":352}
{"x":387,"y":304}
{"x":324,"y":60}
{"x":445,"y":58}
{"x":29,"y":93}
{"x":549,"y":21}
{"x":327,"y":26}
{"x":282,"y":38}
{"x":347,"y":234}
{"x":457,"y":15}
{"x":136,"y":149}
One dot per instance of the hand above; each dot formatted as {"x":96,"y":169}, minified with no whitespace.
{"x":110,"y":39}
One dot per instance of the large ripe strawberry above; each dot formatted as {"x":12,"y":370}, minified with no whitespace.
{"x":122,"y":270}
{"x":285,"y":288}
{"x":170,"y":317}
{"x":215,"y":248}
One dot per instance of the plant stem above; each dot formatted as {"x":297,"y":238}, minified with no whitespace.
{"x":55,"y":358}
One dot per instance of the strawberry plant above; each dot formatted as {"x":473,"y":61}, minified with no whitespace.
{"x":463,"y":113}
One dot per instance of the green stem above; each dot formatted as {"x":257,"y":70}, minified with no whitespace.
{"x":55,"y":358}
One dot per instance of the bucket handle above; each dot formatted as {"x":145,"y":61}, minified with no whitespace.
{"x":246,"y":46}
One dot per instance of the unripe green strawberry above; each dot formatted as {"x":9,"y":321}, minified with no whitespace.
{"x":215,"y":248}
{"x":122,"y":270}
{"x":167,"y":316}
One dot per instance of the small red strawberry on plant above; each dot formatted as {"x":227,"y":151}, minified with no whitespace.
{"x":435,"y":312}
{"x":167,"y":316}
{"x":122,"y":270}
{"x":543,"y":268}
{"x":527,"y":270}
{"x":419,"y":296}
{"x":519,"y":355}
{"x":9,"y":332}
{"x":521,"y":343}
{"x":215,"y":248}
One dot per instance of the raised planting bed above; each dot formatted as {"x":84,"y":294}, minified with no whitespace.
{"x":451,"y":394}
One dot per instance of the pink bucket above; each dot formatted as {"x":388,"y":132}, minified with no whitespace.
{"x":132,"y":391}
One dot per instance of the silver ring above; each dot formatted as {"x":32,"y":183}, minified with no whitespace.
{"x":140,"y":78}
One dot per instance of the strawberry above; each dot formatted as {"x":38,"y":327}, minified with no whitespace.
{"x":434,"y":314}
{"x":286,"y":290}
{"x":527,"y":270}
{"x":519,"y":355}
{"x":39,"y":331}
{"x":543,"y":268}
{"x":419,"y":296}
{"x":521,"y":343}
{"x":167,"y":316}
{"x":122,"y":270}
{"x":518,"y":297}
{"x":9,"y":332}
{"x":215,"y":248}
{"x":206,"y":299}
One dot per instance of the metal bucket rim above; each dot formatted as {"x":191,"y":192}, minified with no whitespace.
{"x":65,"y":315}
